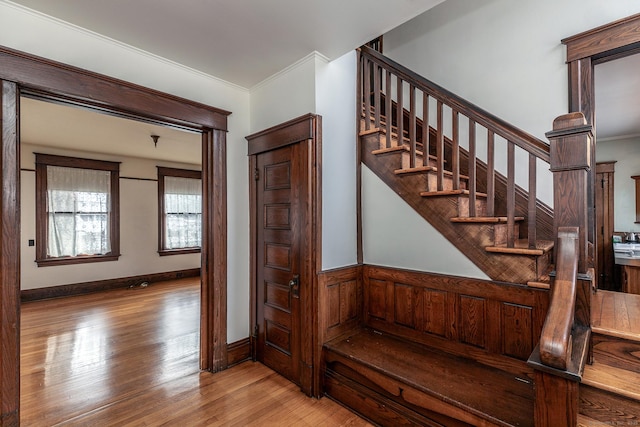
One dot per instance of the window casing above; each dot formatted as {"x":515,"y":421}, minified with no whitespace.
{"x":77,"y":210}
{"x":179,"y":211}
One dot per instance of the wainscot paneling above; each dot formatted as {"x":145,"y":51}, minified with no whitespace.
{"x":475,"y":318}
{"x":340,"y":301}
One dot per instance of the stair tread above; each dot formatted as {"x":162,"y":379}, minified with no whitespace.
{"x":485,"y":219}
{"x":584,"y":421}
{"x":450,"y":193}
{"x":423,"y":169}
{"x":614,"y":380}
{"x":521,"y":246}
{"x":616,"y":314}
{"x":402,"y":360}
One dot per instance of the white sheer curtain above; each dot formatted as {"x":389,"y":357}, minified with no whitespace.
{"x":78,"y":206}
{"x":183,"y":212}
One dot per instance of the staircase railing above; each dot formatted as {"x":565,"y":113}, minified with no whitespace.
{"x":428,"y":120}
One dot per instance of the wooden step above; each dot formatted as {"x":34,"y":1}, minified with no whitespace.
{"x":485,"y":219}
{"x":417,"y":376}
{"x":610,"y":408}
{"x":446,"y":193}
{"x":521,"y":247}
{"x":614,"y":380}
{"x":616,"y":314}
{"x":584,"y":421}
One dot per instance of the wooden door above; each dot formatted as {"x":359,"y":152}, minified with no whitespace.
{"x":604,"y":224}
{"x":279,"y":274}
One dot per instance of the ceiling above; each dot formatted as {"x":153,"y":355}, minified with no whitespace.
{"x":240,"y":41}
{"x":245,"y":42}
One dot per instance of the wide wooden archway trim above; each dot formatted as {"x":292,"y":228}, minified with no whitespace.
{"x":21,"y":73}
{"x":605,"y":43}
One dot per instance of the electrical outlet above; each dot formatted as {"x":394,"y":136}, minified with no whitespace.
{"x":32,"y":242}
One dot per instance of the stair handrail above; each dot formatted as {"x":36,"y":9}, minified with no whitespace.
{"x":522,"y":139}
{"x":555,"y":339}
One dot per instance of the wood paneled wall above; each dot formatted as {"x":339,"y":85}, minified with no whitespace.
{"x":340,"y":301}
{"x":475,"y":318}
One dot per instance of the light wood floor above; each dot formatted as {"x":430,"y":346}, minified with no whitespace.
{"x":130,"y":357}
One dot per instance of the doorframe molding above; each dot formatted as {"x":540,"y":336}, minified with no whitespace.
{"x":22,"y":73}
{"x":584,"y":51}
{"x":306,"y":128}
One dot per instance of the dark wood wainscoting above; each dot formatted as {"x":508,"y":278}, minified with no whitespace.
{"x":103,"y":285}
{"x":238,"y":352}
{"x":475,"y":318}
{"x":340,"y":301}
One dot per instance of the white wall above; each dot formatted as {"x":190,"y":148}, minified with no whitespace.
{"x":315,"y":85}
{"x":502,"y":55}
{"x":395,"y":235}
{"x":626,"y":153}
{"x":138,"y":225}
{"x":43,"y":36}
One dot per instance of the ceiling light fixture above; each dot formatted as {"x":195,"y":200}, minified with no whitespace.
{"x":155,"y":139}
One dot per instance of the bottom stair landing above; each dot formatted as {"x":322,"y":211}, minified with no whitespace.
{"x":610,"y":388}
{"x":392,"y":381}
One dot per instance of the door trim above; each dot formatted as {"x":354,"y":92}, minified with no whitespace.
{"x":22,"y":73}
{"x":303,"y":129}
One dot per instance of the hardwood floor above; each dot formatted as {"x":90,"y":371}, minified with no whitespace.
{"x":130,"y":357}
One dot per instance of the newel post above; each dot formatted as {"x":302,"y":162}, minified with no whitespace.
{"x":571,"y":152}
{"x":571,"y":161}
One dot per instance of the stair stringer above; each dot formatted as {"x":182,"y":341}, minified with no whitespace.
{"x":470,"y":239}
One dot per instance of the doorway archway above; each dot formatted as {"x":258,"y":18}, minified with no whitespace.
{"x":24,"y":73}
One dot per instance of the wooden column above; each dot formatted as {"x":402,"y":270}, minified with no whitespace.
{"x":556,"y":401}
{"x":213,"y":316}
{"x":571,"y":161}
{"x":10,"y":258}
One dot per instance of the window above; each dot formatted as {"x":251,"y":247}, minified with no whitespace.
{"x":77,"y":210}
{"x":180,"y":211}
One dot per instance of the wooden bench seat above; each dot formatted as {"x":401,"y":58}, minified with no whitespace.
{"x":392,"y":381}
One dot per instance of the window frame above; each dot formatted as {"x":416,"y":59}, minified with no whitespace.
{"x":177,"y":173}
{"x":42,"y":223}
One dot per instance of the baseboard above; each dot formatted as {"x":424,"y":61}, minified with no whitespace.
{"x":238,"y":351}
{"x":103,"y":285}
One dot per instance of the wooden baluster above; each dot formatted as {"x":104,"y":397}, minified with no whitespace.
{"x":367,"y":94}
{"x":412,"y":126}
{"x":471,"y":186}
{"x":387,"y":109}
{"x":455,"y":150}
{"x":400,"y":111}
{"x":511,"y":193}
{"x":491,"y":174}
{"x":425,"y":128}
{"x":440,"y":150}
{"x":531,"y":214}
{"x":376,"y":95}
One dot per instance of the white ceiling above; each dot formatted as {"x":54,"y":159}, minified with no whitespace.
{"x":244,"y":42}
{"x":240,"y":41}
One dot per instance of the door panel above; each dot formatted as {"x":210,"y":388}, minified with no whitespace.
{"x":278,"y":260}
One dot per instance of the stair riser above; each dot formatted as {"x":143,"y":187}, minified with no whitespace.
{"x":463,"y":207}
{"x":406,"y":161}
{"x":447,"y":183}
{"x":500,"y":232}
{"x":617,"y":352}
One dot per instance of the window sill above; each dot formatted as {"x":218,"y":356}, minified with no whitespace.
{"x":48,"y":262}
{"x":165,"y":252}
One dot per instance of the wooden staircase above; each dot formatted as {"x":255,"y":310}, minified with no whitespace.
{"x":610,"y":388}
{"x":448,"y":204}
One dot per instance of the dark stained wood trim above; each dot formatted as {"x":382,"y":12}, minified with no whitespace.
{"x":42,"y":223}
{"x":56,"y":81}
{"x":103,"y":285}
{"x":162,"y":173}
{"x":281,"y":135}
{"x":253,"y":242}
{"x":214,"y":252}
{"x":606,"y":39}
{"x":238,"y":352}
{"x":305,"y":129}
{"x":10,"y":256}
{"x":42,"y":78}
